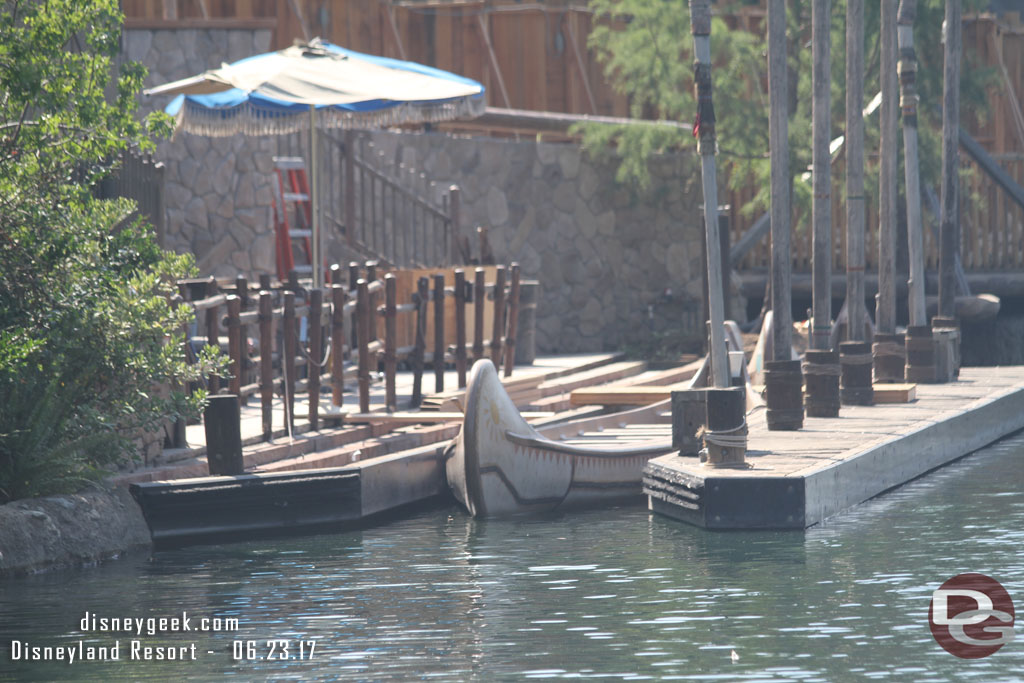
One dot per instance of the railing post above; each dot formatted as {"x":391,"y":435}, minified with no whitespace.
{"x":479,"y":297}
{"x":178,"y":439}
{"x":338,"y":296}
{"x":438,"y":332}
{"x":315,"y":331}
{"x":499,"y":316}
{"x":288,"y":360}
{"x":212,"y":332}
{"x":460,"y":326}
{"x":455,"y":216}
{"x":350,"y":189}
{"x":513,"y":322}
{"x":390,"y":342}
{"x":371,"y":276}
{"x":266,"y":363}
{"x":421,"y":297}
{"x":235,"y":344}
{"x":363,"y":333}
{"x":242,"y":291}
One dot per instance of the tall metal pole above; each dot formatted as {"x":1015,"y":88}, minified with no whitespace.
{"x":908,"y":105}
{"x":778,"y":141}
{"x":314,"y":201}
{"x":949,"y":236}
{"x":821,"y":209}
{"x":855,"y":169}
{"x":885,"y":305}
{"x":704,"y":128}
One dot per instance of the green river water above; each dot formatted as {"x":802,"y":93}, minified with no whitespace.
{"x":615,"y":594}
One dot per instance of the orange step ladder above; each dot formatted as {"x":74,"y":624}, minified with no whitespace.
{"x":292,"y":190}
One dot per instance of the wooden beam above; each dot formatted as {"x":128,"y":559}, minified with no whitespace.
{"x":623,"y":396}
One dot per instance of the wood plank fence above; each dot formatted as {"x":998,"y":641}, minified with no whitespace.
{"x":305,"y":339}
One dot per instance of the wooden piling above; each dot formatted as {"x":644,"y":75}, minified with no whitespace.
{"x":455,"y":216}
{"x":266,"y":363}
{"x":821,"y":376}
{"x":513,"y":321}
{"x":499,"y":316}
{"x":390,"y":341}
{"x":338,"y":296}
{"x":460,"y":326}
{"x":821,"y":208}
{"x":363,"y":332}
{"x":314,"y":331}
{"x":946,"y":333}
{"x":854,"y":151}
{"x":889,"y":357}
{"x":907,"y":68}
{"x":885,"y":306}
{"x":421,"y":298}
{"x":920,"y":355}
{"x":725,"y":436}
{"x":178,"y":439}
{"x":438,"y":332}
{"x":234,"y":344}
{"x":221,"y":421}
{"x":290,"y":333}
{"x":783,"y":382}
{"x":479,"y":297}
{"x":949,"y":233}
{"x":371,"y":276}
{"x":855,"y":361}
{"x":781,"y":296}
{"x":212,"y":321}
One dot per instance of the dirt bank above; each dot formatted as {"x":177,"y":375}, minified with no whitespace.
{"x":77,"y":529}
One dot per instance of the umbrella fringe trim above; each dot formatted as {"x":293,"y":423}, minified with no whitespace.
{"x":252,"y":120}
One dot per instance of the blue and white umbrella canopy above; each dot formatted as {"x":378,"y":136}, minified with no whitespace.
{"x":274,"y":92}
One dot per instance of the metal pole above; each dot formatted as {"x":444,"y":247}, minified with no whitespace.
{"x":700,"y":23}
{"x":885,"y":305}
{"x":778,"y":132}
{"x":314,"y":200}
{"x":949,"y":229}
{"x":908,"y":104}
{"x":855,"y":169}
{"x":821,"y":209}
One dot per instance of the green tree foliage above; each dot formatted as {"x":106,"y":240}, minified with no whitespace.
{"x":87,"y":333}
{"x":646,"y":49}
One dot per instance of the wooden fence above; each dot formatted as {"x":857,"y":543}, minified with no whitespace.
{"x":403,"y":220}
{"x":307,"y":339}
{"x":141,"y":178}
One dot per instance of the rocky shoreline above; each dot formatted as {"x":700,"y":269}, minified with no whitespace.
{"x":70,"y":530}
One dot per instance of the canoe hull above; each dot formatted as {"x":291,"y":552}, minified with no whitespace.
{"x":500,"y":466}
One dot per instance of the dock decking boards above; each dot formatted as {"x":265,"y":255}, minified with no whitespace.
{"x":797,"y":479}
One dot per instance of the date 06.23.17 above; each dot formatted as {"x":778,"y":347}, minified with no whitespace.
{"x":242,"y":650}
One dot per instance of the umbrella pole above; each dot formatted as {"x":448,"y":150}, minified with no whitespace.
{"x":314,"y":200}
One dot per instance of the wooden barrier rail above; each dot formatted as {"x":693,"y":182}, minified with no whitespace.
{"x":292,"y":364}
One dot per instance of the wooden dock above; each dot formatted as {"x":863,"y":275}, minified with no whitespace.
{"x":797,"y":479}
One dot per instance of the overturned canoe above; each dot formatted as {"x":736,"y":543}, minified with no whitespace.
{"x":499,"y":465}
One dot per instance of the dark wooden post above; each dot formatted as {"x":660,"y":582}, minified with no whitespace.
{"x":221,"y":421}
{"x":390,"y":341}
{"x":349,"y":190}
{"x":421,"y":297}
{"x":460,"y":326}
{"x":353,"y":275}
{"x":213,"y":333}
{"x":266,"y":363}
{"x":479,"y":297}
{"x":178,"y":439}
{"x":725,"y":440}
{"x":821,"y":375}
{"x":242,"y":291}
{"x":315,"y":331}
{"x":920,"y":355}
{"x":338,"y":296}
{"x":854,"y":150}
{"x":288,"y":360}
{"x":855,"y":361}
{"x":371,"y":276}
{"x":949,"y":237}
{"x":821,"y":208}
{"x":363,"y":334}
{"x":455,"y":215}
{"x":438,"y":332}
{"x":499,"y":316}
{"x":783,"y":380}
{"x":513,"y":322}
{"x":782,"y":314}
{"x":907,"y":67}
{"x":689,"y":414}
{"x":235,"y":344}
{"x":264,"y":282}
{"x":293,"y":281}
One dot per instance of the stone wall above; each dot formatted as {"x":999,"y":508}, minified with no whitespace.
{"x":219,"y":190}
{"x":614,"y":267}
{"x":605,"y":258}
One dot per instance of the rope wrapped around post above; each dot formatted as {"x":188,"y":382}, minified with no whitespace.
{"x":821,"y":376}
{"x":855,"y":360}
{"x":725,"y":429}
{"x":890,"y":357}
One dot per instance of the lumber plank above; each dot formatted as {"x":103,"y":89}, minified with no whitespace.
{"x":895,"y":393}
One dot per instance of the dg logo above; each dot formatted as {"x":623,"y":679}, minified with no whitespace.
{"x":971,"y":616}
